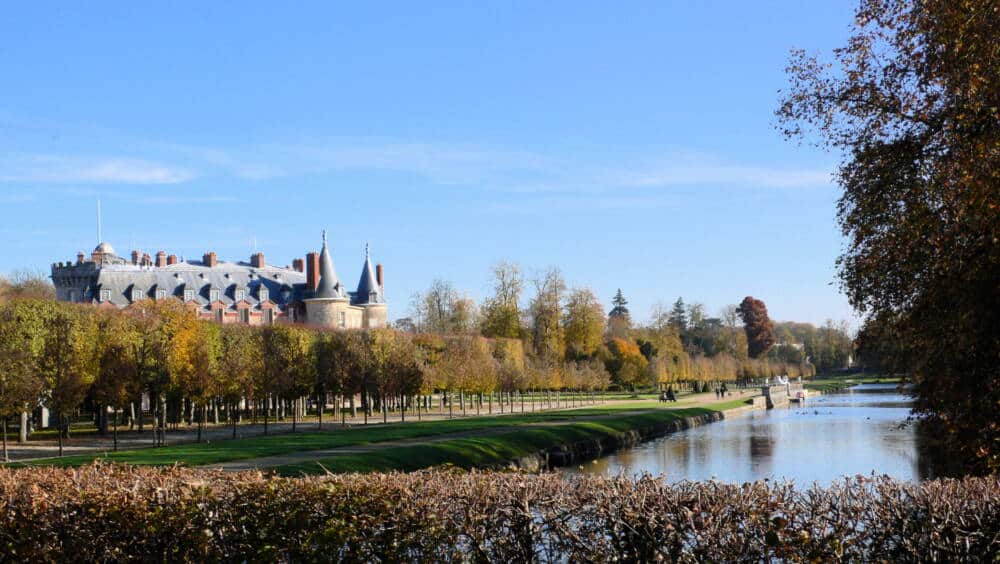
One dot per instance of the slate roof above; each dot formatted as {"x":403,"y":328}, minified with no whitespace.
{"x":329,"y":285}
{"x":369,"y":292}
{"x":279,"y":285}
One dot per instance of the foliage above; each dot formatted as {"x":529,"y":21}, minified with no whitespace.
{"x":583,"y":324}
{"x":442,"y":309}
{"x":118,"y":513}
{"x":626,"y":363}
{"x":501,"y":312}
{"x":547,"y":331}
{"x":913,"y":105}
{"x":758,"y":326}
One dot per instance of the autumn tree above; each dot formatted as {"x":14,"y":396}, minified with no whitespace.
{"x":21,"y":333}
{"x":626,"y":363}
{"x":912,"y":103}
{"x":583,"y":324}
{"x":117,"y":380}
{"x":757,"y":326}
{"x":238,"y":365}
{"x":547,"y":331}
{"x":501,"y":312}
{"x":68,"y":360}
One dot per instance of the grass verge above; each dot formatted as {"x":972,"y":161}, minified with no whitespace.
{"x":196,"y":454}
{"x":495,"y":449}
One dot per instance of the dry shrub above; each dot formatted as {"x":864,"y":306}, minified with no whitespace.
{"x":118,"y":513}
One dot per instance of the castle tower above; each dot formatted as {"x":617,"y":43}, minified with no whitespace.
{"x":328,"y":305}
{"x":370,"y":296}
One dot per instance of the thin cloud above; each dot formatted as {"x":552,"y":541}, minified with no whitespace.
{"x":56,"y":169}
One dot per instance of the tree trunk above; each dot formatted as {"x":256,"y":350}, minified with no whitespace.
{"x":385,"y":409}
{"x":115,"y":432}
{"x":320,"y":400}
{"x":4,"y":423}
{"x":22,"y":432}
{"x":267,"y":409}
{"x":295,"y":413}
{"x":201,"y":421}
{"x":59,"y":434}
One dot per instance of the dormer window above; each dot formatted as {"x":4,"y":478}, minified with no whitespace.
{"x":136,"y":294}
{"x":105,"y":295}
{"x":188,"y":294}
{"x":161,"y":294}
{"x":262,"y":293}
{"x":213,"y":294}
{"x":239,"y":294}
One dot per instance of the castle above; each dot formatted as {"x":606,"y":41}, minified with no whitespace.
{"x":253,"y":293}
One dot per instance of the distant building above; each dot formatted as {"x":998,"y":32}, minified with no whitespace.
{"x":253,"y":293}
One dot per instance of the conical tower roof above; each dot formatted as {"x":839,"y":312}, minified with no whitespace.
{"x":329,"y":284}
{"x":369,"y":292}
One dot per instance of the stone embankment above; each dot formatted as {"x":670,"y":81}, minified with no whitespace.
{"x":590,"y":449}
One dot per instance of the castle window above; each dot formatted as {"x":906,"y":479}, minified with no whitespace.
{"x":343,"y":320}
{"x":213,"y":294}
{"x":73,"y":297}
{"x":239,"y":294}
{"x":268,"y":316}
{"x":245,"y":315}
{"x":218,"y":315}
{"x":262,"y":293}
{"x":105,"y":295}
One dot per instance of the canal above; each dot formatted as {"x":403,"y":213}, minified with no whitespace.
{"x":858,"y":431}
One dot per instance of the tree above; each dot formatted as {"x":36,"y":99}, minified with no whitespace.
{"x":626,"y":363}
{"x":501,"y":313}
{"x":441,"y":309}
{"x":619,"y":319}
{"x":238,"y":365}
{"x":117,"y":380}
{"x":25,"y":284}
{"x":583,"y":324}
{"x":547,"y":332}
{"x":679,"y":316}
{"x":21,"y":333}
{"x":913,"y":106}
{"x":68,"y":360}
{"x":757,"y":326}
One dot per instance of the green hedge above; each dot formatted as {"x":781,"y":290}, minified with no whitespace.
{"x":119,"y":513}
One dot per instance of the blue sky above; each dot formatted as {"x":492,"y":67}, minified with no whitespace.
{"x":632,"y":144}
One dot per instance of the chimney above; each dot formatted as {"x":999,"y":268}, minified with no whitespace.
{"x":135,"y":256}
{"x":146,"y":259}
{"x":379,"y":273}
{"x":312,"y":271}
{"x":210,"y":259}
{"x":161,"y":258}
{"x":298,"y":265}
{"x":171,"y":259}
{"x":79,"y":257}
{"x":257,"y":260}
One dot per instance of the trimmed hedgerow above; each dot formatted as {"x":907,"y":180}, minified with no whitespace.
{"x":117,"y":513}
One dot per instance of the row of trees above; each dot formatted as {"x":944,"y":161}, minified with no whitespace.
{"x":59,"y":355}
{"x":565,"y":325}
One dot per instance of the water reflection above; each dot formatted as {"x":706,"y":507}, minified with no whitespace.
{"x":858,"y":431}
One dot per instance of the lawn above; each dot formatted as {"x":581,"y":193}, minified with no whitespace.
{"x":481,"y":451}
{"x":195,"y":454}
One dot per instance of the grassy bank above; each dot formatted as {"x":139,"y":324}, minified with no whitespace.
{"x":837,"y":383}
{"x":495,"y":449}
{"x":274,"y":445}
